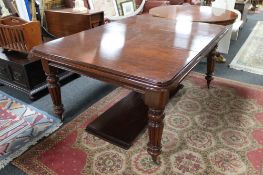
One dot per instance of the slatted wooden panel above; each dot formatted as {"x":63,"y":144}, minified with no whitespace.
{"x":19,"y":35}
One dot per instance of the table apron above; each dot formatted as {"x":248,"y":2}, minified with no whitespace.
{"x":128,"y":82}
{"x":125,"y":82}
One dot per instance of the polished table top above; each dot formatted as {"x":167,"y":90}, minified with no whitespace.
{"x":143,"y":48}
{"x":194,"y":13}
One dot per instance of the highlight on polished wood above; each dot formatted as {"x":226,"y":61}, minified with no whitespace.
{"x":195,"y":13}
{"x":148,"y":55}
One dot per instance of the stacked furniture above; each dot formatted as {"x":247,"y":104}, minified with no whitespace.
{"x":17,"y":38}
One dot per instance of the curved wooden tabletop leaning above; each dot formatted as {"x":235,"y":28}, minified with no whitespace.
{"x":194,"y":13}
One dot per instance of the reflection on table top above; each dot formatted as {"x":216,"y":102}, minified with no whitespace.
{"x":195,"y":13}
{"x":146,"y":48}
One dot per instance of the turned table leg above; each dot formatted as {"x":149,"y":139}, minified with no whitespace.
{"x":210,"y":66}
{"x":54,"y":88}
{"x":155,"y":130}
{"x":156,"y":102}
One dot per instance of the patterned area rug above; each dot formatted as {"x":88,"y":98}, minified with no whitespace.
{"x":21,"y":126}
{"x":250,"y":56}
{"x":215,"y":131}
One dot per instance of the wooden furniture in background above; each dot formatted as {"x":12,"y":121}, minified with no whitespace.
{"x":63,"y":22}
{"x":19,"y":35}
{"x":25,"y":74}
{"x":150,"y":59}
{"x":17,"y":38}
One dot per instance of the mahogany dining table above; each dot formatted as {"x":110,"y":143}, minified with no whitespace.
{"x":145,"y":54}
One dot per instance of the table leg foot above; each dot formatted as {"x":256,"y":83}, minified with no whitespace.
{"x":208,"y":78}
{"x":156,"y":160}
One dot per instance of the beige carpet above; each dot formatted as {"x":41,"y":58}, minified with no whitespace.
{"x":216,"y":131}
{"x":250,"y":56}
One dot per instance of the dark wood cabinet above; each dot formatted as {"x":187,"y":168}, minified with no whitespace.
{"x":63,"y":22}
{"x":25,"y":74}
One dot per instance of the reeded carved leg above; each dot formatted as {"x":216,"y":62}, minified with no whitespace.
{"x":54,"y":88}
{"x":155,"y":130}
{"x":210,"y":66}
{"x":156,"y":102}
